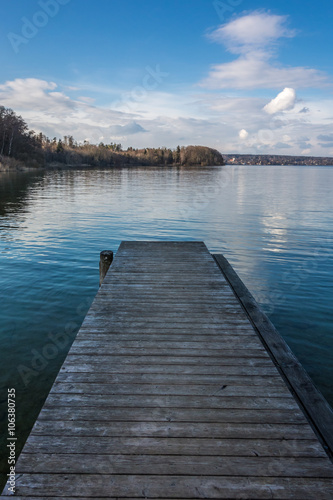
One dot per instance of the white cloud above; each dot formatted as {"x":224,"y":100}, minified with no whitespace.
{"x":243,"y":134}
{"x":254,"y":72}
{"x":254,"y":37}
{"x":155,"y":103}
{"x":22,"y":91}
{"x":46,"y":108}
{"x":252,"y":31}
{"x":284,"y":101}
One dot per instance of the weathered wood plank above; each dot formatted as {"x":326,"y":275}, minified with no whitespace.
{"x":171,"y":379}
{"x":91,"y":365}
{"x":176,"y":340}
{"x":174,"y":446}
{"x":190,"y":415}
{"x":114,"y":350}
{"x":177,"y":464}
{"x":176,"y":487}
{"x":257,"y":360}
{"x":217,"y":390}
{"x":225,"y":342}
{"x":194,"y":321}
{"x":147,"y":401}
{"x":90,"y":328}
{"x":173,"y":430}
{"x":198,"y":325}
{"x":147,"y":327}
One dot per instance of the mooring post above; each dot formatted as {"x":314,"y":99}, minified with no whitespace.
{"x":105,"y":262}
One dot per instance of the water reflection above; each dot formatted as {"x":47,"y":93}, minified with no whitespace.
{"x":273,"y":224}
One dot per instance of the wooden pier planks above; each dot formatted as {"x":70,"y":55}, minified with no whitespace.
{"x":168,"y":392}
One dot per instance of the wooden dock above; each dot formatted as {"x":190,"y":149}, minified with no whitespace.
{"x":170,"y":391}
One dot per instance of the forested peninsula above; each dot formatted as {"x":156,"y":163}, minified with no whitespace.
{"x":22,"y":148}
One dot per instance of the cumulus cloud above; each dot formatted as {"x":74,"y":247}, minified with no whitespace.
{"x":284,"y":101}
{"x":254,"y":37}
{"x":243,"y":134}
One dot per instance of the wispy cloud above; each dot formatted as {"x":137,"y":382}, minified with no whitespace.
{"x":254,"y":38}
{"x":252,"y":32}
{"x":254,"y":72}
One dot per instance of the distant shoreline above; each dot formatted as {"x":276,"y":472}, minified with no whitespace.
{"x":230,"y":160}
{"x":276,"y":160}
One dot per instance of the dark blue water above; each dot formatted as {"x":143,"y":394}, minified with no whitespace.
{"x":274,"y":224}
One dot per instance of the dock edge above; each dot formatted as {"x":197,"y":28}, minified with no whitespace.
{"x":315,"y":407}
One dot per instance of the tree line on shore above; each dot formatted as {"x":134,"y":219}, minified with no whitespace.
{"x":19,"y":144}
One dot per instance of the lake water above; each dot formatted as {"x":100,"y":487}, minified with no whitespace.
{"x":274,"y":224}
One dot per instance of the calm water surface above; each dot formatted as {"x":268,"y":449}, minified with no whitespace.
{"x":274,"y":224}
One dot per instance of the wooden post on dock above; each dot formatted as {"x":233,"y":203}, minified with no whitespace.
{"x":105,"y":262}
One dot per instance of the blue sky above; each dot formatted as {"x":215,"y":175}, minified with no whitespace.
{"x":233,"y":74}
